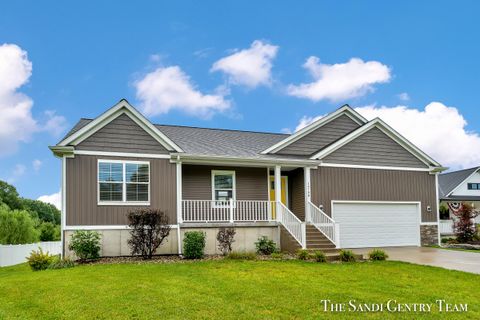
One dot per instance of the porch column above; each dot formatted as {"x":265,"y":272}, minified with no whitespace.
{"x":308,"y":196}
{"x":179,"y":204}
{"x":278,"y":189}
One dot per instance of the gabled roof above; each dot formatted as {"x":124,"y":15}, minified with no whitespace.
{"x":389,"y":131}
{"x":85,"y":128}
{"x":448,"y":182}
{"x":344,"y":110}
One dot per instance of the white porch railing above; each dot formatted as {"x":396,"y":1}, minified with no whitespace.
{"x":446,"y":226}
{"x":226,"y":211}
{"x":323,"y":223}
{"x":293,"y":225}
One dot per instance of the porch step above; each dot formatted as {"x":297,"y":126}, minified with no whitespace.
{"x":317,"y":240}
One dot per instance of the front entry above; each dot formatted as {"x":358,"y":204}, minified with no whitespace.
{"x":284,"y":192}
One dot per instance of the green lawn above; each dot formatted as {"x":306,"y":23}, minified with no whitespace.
{"x":228,"y":290}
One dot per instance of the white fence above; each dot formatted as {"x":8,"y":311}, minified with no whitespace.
{"x":18,"y":253}
{"x":446,"y":226}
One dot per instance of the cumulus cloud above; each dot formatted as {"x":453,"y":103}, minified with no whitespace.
{"x":56,"y":125}
{"x":403,"y":96}
{"x":55,"y":199}
{"x":438,"y":130}
{"x":37,"y":164}
{"x":305,"y":121}
{"x":340,"y":81}
{"x":168,"y":88}
{"x":17,"y":172}
{"x":249,"y":67}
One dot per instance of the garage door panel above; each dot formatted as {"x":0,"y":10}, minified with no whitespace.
{"x":375,"y":225}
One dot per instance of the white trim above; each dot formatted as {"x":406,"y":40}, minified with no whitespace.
{"x":344,"y":110}
{"x":104,"y":227}
{"x":458,"y":186}
{"x":429,"y":224}
{"x":341,"y":165}
{"x":307,"y":193}
{"x":179,"y":192}
{"x":234,"y":182}
{"x":378,"y":123}
{"x":241,"y":161}
{"x":437,"y":206}
{"x":278,"y":190}
{"x":122,"y":107}
{"x":64,"y":203}
{"x":418,"y":203}
{"x":121,"y":154}
{"x":124,"y":201}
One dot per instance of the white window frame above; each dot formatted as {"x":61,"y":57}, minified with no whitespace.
{"x":234,"y":183}
{"x":124,"y":201}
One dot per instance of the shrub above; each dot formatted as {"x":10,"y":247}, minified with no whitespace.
{"x":225,"y":240}
{"x":303,"y":254}
{"x":149,"y":228}
{"x":464,"y":227}
{"x":241,"y":255}
{"x":347,"y":256}
{"x":277,"y":255}
{"x":377,"y":255}
{"x":49,"y":232}
{"x":60,"y":263}
{"x":39,"y":260}
{"x":16,"y":227}
{"x":265,"y":246}
{"x":194,"y":244}
{"x":85,"y":244}
{"x":319,"y":256}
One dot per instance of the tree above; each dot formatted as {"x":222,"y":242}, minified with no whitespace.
{"x":16,"y":227}
{"x":44,"y":211}
{"x":225,"y":240}
{"x":464,"y":226}
{"x":9,"y":196}
{"x":149,"y":228}
{"x":49,"y":232}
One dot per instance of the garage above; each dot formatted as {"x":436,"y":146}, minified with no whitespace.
{"x":377,"y":224}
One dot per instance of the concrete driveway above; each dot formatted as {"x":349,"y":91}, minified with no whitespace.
{"x":448,"y":259}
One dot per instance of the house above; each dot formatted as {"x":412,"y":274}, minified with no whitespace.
{"x":455,"y":188}
{"x":340,"y":182}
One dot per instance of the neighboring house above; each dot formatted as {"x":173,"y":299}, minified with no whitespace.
{"x":455,"y":188}
{"x":342,"y":182}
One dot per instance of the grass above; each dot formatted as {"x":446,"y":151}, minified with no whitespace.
{"x":228,"y":289}
{"x":457,"y":249}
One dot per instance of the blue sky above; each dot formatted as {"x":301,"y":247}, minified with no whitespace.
{"x":87,"y":56}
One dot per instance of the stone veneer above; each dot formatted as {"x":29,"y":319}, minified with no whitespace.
{"x":429,"y":235}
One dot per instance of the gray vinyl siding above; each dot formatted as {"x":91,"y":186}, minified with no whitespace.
{"x":321,"y":137}
{"x":329,"y":184}
{"x":374,"y":148}
{"x":122,"y":135}
{"x":81,"y":194}
{"x":297,"y":193}
{"x":251,"y":183}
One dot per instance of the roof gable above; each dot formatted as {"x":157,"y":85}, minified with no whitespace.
{"x":346,"y":110}
{"x":449,"y":182}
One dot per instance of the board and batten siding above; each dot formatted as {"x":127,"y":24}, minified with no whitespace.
{"x":329,"y":183}
{"x":321,"y":137}
{"x":374,"y":148}
{"x":82,"y":185}
{"x":251,"y":183}
{"x":122,"y":134}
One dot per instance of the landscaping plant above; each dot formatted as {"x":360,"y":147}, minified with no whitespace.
{"x":85,"y":244}
{"x":241,"y":255}
{"x":464,"y":226}
{"x":347,"y":256}
{"x":225,"y":239}
{"x":377,"y":255}
{"x":149,"y":228}
{"x":303,"y":254}
{"x":59,"y":263}
{"x":194,"y":244}
{"x":319,"y":256}
{"x":265,"y":246}
{"x":39,"y":260}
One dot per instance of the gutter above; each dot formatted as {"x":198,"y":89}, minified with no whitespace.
{"x":209,"y":159}
{"x":60,"y":151}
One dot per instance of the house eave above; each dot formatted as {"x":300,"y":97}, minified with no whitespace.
{"x":61,"y":151}
{"x":249,"y":161}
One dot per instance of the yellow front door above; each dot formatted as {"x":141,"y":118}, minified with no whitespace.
{"x":283,"y":183}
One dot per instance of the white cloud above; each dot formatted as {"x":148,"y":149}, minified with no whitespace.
{"x":37,"y":164}
{"x":55,"y":125}
{"x":169,"y":88}
{"x":305,"y":121}
{"x":340,"y":81}
{"x":249,"y":67}
{"x":403,"y":96}
{"x":55,"y":199}
{"x":438,"y":130}
{"x":17,"y":172}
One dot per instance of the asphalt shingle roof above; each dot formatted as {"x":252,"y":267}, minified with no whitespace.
{"x":449,"y":181}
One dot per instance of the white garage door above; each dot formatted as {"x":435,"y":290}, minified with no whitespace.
{"x":377,"y":224}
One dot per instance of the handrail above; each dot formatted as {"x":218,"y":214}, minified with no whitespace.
{"x":226,"y":211}
{"x":292,"y":224}
{"x":323,"y":223}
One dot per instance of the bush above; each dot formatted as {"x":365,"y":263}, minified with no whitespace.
{"x":16,"y":227}
{"x":225,"y":240}
{"x":347,"y":256}
{"x":464,"y":227}
{"x":265,"y":246}
{"x":319,"y":256}
{"x":377,"y":255}
{"x":60,"y":263}
{"x":85,"y":244}
{"x":39,"y":260}
{"x":303,"y":254}
{"x":49,"y":232}
{"x":242,"y":256}
{"x":149,"y":228}
{"x":194,"y":244}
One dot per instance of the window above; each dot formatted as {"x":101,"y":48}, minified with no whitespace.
{"x":473,"y":186}
{"x":223,"y":185}
{"x":122,"y":182}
